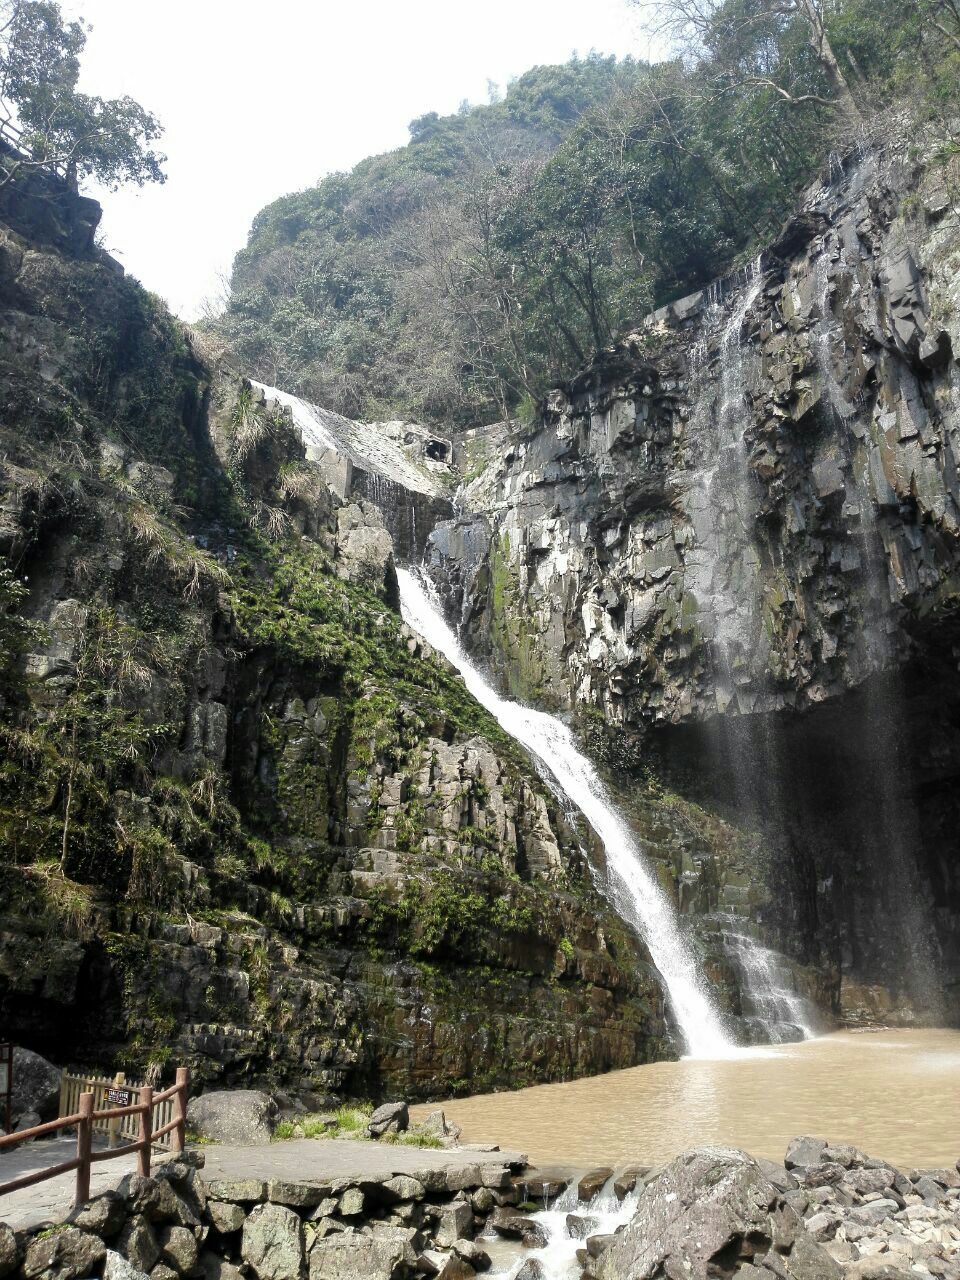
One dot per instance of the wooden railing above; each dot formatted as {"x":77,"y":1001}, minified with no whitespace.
{"x":104,"y":1096}
{"x":6,"y":1085}
{"x":84,"y":1121}
{"x":17,"y":141}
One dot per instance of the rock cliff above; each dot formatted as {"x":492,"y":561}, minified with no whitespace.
{"x":248,"y":820}
{"x":733,"y":542}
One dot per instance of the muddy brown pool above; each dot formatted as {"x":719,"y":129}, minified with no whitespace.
{"x":894,"y":1094}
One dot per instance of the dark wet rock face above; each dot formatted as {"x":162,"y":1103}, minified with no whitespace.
{"x":733,"y":543}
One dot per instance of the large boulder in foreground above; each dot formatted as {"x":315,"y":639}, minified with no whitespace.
{"x":392,"y":1117}
{"x":713,"y":1212}
{"x":235,"y":1117}
{"x":36,"y":1085}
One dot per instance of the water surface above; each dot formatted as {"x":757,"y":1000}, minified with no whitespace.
{"x":894,"y":1094}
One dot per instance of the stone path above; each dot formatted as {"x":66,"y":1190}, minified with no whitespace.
{"x":316,"y":1160}
{"x":51,"y":1201}
{"x":303,"y":1160}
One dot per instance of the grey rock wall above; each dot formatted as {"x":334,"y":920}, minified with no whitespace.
{"x":733,"y":541}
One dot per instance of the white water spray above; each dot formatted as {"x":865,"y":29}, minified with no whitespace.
{"x":602,"y":1215}
{"x":770,"y":997}
{"x":632,"y":889}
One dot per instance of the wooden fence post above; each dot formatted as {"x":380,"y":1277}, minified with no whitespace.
{"x":113,"y":1126}
{"x":84,"y":1143}
{"x":179,"y":1134}
{"x":146,"y":1131}
{"x":64,"y":1094}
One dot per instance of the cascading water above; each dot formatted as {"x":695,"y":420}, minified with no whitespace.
{"x":897,"y":849}
{"x":723,"y":561}
{"x":601,"y":1215}
{"x":310,"y":424}
{"x":631,"y":887}
{"x":773,"y":1009}
{"x":728,"y":486}
{"x":374,"y":468}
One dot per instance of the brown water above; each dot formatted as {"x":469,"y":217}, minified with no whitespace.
{"x":894,"y":1094}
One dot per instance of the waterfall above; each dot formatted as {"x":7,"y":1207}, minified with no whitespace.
{"x":314,"y":430}
{"x":602,"y":1215}
{"x":722,"y":564}
{"x":631,"y":887}
{"x":733,"y":474}
{"x":771,"y":1003}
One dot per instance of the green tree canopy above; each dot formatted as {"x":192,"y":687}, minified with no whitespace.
{"x":49,"y":122}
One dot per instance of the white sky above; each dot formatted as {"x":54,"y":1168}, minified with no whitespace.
{"x":259,"y":99}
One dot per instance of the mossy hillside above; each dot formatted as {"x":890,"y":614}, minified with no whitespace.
{"x":202,"y":722}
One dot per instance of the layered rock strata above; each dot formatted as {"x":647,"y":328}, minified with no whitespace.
{"x":733,"y":542}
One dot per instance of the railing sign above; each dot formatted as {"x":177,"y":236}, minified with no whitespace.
{"x":120,"y":1097}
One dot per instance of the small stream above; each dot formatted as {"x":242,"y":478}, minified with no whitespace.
{"x":566,"y":1222}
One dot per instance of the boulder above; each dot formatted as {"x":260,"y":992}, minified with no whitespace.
{"x":822,"y":1175}
{"x":596,"y":1245}
{"x":627,"y":1179}
{"x":272,"y":1242}
{"x":514,"y":1226}
{"x":392,"y":1117}
{"x":401,"y":1188}
{"x":352,"y":1203}
{"x":473,"y":1253}
{"x":176,"y":1204}
{"x":116,"y":1267}
{"x":214,"y":1267}
{"x":482,"y":1200}
{"x":863,"y":1181}
{"x":28,"y":1120}
{"x":935,"y":350}
{"x":592,"y":1183}
{"x":138,"y":1243}
{"x":778,"y":1175}
{"x":710,"y":1210}
{"x":235,"y":1117}
{"x":63,"y":1255}
{"x":445,"y":1266}
{"x":246,"y":1190}
{"x":36,"y":1086}
{"x":225,"y":1217}
{"x":348,"y":1255}
{"x":930,"y":1189}
{"x":532,"y":1269}
{"x":545,"y":1189}
{"x":178,"y":1248}
{"x":104,"y":1216}
{"x":842,"y":1153}
{"x":454,"y":1222}
{"x":298,"y":1195}
{"x":578,"y":1227}
{"x":142,"y":1195}
{"x":9,"y":1253}
{"x":803,"y":1153}
{"x":946,"y":1177}
{"x":437,"y":1125}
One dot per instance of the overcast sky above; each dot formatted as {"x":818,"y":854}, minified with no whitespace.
{"x":262,"y":97}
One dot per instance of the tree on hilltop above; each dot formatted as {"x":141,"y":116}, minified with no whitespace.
{"x":47,"y":123}
{"x":743,"y":42}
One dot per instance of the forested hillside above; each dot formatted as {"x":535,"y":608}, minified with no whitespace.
{"x":455,"y":279}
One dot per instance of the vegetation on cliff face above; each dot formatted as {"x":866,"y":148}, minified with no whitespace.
{"x":247,"y":819}
{"x":459,"y":277}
